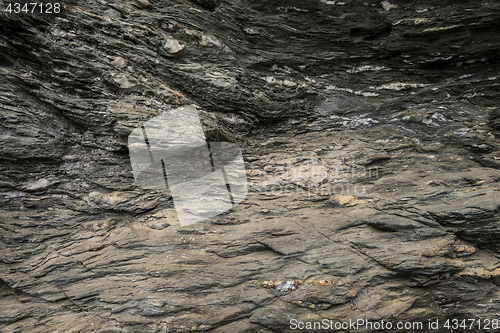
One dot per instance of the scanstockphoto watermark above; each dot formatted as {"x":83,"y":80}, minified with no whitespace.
{"x":205,"y":179}
{"x":430,"y":325}
{"x":358,"y":325}
{"x":327,"y":189}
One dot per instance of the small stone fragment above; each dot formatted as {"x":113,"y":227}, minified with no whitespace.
{"x":209,"y":41}
{"x":120,"y":62}
{"x":268,"y":284}
{"x":285,"y":286}
{"x":173,"y":46}
{"x":40,"y":184}
{"x":387,"y":5}
{"x":122,"y":81}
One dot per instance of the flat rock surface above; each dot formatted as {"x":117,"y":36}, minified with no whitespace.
{"x":371,"y":139}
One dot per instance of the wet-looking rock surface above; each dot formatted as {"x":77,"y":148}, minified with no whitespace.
{"x":370,"y":134}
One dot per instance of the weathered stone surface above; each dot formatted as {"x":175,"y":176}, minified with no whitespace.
{"x":370,"y":133}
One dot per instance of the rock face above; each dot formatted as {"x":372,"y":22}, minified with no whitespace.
{"x":370,"y":133}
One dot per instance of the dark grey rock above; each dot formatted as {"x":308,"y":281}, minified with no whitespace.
{"x":370,"y":133}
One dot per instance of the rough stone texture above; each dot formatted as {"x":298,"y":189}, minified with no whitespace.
{"x":370,"y":133}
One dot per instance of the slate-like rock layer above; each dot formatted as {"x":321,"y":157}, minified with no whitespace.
{"x":370,"y":133}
